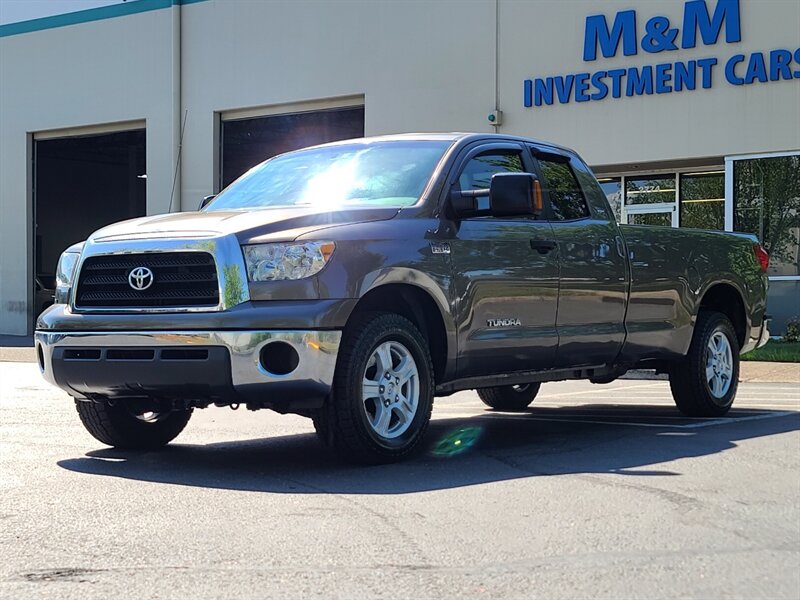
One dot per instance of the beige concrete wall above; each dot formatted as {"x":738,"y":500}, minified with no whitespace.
{"x":86,"y":74}
{"x":419,"y":65}
{"x":539,"y":39}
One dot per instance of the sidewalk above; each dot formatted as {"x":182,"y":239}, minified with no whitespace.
{"x":770,"y":372}
{"x":17,"y":348}
{"x":20,"y":349}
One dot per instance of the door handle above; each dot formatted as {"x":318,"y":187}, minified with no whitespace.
{"x":543,"y":246}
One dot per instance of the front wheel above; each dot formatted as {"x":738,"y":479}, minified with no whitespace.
{"x":704,"y":383}
{"x":383,"y":391}
{"x":122,"y":426}
{"x":509,"y":397}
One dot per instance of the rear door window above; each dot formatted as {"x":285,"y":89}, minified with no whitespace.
{"x":566,"y":197}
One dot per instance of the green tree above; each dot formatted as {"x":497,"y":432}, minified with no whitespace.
{"x":767,"y":203}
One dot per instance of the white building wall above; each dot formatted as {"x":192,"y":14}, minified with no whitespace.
{"x":419,"y":65}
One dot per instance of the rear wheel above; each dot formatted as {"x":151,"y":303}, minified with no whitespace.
{"x":704,"y":384}
{"x":509,"y":397}
{"x":383,"y":391}
{"x":121,"y":425}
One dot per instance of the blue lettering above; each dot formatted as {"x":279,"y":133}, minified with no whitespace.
{"x":730,"y":69}
{"x":797,"y":60}
{"x":659,"y":36}
{"x":756,"y":69}
{"x":779,"y":61}
{"x":685,"y":75}
{"x":527,"y":86}
{"x":639,"y":83}
{"x":695,"y":16}
{"x":602,"y":88}
{"x":663,"y":77}
{"x":705,"y":68}
{"x":581,"y":87}
{"x":543,"y":91}
{"x":564,"y":87}
{"x":597,"y":33}
{"x":616,"y":81}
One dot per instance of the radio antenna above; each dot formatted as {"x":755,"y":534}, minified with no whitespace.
{"x":178,"y":161}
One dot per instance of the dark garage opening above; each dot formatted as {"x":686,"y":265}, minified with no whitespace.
{"x":82,"y":184}
{"x":247,"y":142}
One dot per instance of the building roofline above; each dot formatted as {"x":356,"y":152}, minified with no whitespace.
{"x":91,"y":14}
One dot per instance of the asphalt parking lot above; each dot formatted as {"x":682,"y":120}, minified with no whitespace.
{"x":595,"y":492}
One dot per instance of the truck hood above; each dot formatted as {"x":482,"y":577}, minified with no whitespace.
{"x":273,"y":224}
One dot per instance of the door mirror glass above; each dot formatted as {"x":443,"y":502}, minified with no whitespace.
{"x":206,"y":201}
{"x":515,"y":195}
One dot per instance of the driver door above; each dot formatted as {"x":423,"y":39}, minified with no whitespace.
{"x":505,"y":276}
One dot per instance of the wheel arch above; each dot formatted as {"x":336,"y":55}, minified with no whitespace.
{"x":728,"y":300}
{"x":420,"y":307}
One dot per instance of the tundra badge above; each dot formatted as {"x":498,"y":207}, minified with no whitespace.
{"x":512,"y":322}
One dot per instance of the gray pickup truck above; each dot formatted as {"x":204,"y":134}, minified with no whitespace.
{"x":353,"y":282}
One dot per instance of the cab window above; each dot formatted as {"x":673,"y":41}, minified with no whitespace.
{"x":477,"y":173}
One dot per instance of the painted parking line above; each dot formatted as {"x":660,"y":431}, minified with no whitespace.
{"x":712,"y":422}
{"x":615,"y":405}
{"x":627,"y":388}
{"x":697,"y":425}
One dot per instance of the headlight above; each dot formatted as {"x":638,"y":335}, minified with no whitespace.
{"x":274,"y":262}
{"x":66,"y":268}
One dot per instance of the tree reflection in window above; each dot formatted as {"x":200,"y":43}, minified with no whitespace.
{"x":766,"y":195}
{"x":477,"y":174}
{"x":566,"y":196}
{"x":649,"y":190}
{"x":703,"y":200}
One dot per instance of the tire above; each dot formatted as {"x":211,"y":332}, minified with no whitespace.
{"x":697,"y":394}
{"x":509,"y":397}
{"x":116,"y":425}
{"x":355,"y":421}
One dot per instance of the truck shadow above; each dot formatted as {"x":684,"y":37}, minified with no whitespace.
{"x":486,"y":448}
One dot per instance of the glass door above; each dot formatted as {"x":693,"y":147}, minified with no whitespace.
{"x":651,"y":200}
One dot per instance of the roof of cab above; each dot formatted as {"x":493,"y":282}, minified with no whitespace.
{"x":446,"y":137}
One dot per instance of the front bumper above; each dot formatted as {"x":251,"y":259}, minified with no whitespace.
{"x":221,"y":367}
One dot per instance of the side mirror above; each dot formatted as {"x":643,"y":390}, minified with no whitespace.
{"x":205,"y":201}
{"x":514,"y":195}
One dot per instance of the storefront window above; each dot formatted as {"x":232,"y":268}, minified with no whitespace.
{"x":703,"y":200}
{"x":612,"y":188}
{"x":650,"y":190}
{"x":766,"y":202}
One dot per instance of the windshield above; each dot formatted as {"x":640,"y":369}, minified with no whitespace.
{"x":375,"y":174}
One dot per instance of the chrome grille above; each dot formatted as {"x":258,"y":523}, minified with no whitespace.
{"x":180,"y":279}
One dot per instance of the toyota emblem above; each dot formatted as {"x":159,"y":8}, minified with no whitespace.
{"x":140,"y":278}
